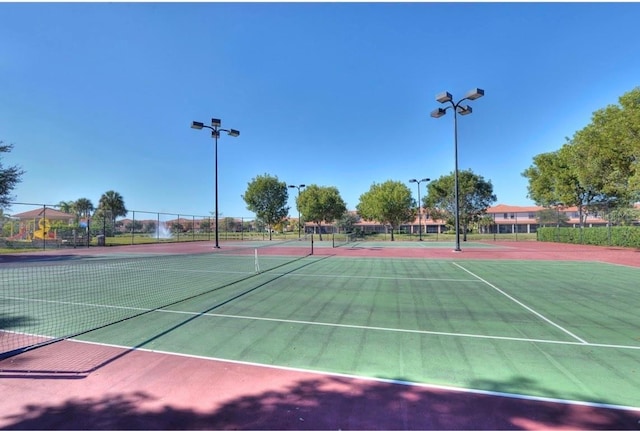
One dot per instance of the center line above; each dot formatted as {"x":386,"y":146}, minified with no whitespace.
{"x":522,"y":305}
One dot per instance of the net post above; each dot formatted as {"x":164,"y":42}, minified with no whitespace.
{"x":311,"y":244}
{"x":256,"y":263}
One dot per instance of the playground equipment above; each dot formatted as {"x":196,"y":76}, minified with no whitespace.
{"x":26,"y":232}
{"x":44,"y":231}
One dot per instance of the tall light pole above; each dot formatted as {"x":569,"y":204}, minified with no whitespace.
{"x":301,"y":186}
{"x":446,"y":97}
{"x":215,"y":134}
{"x":413,"y":180}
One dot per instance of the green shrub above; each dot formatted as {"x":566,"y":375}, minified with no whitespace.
{"x":618,"y":236}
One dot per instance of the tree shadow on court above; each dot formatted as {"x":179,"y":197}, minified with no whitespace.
{"x":324,"y":403}
{"x":39,"y":258}
{"x":8,"y":322}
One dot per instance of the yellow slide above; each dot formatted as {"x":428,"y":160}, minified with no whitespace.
{"x":44,"y":229}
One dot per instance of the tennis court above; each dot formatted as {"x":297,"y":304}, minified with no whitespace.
{"x":512,"y":322}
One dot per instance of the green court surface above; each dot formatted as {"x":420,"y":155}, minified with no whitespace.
{"x":561,"y":330}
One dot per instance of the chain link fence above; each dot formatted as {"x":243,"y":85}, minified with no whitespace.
{"x":43,"y":226}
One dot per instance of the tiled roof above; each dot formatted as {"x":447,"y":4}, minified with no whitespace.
{"x":502,"y":208}
{"x":49,"y":213}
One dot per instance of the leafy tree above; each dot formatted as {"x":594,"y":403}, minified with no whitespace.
{"x":612,"y":149}
{"x":295,"y":225}
{"x":475,"y":196}
{"x":10,"y":227}
{"x":347,"y":222}
{"x":554,"y":180}
{"x":281,"y":226}
{"x":229,"y":224}
{"x":134,"y":226}
{"x":598,"y":168}
{"x":258,"y":225}
{"x":150,"y":227}
{"x":111,"y":206}
{"x":600,"y":165}
{"x":266,"y":196}
{"x":622,"y":216}
{"x":205,"y":225}
{"x":9,"y":178}
{"x":388,"y":203}
{"x":615,"y":144}
{"x":320,"y":204}
{"x":543,"y":180}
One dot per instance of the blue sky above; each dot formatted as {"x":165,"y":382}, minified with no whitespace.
{"x":100,"y":96}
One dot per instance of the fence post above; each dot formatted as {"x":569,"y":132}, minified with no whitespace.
{"x":495,"y":226}
{"x":44,"y":229}
{"x":608,"y":215}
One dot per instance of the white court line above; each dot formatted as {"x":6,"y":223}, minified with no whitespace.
{"x":337,"y":325}
{"x":379,"y":379}
{"x":407,"y":331}
{"x":566,"y":331}
{"x":340,"y":325}
{"x":380,"y":277}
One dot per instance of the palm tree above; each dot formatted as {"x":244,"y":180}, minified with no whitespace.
{"x":83,"y":207}
{"x":66,"y":207}
{"x":113,"y":203}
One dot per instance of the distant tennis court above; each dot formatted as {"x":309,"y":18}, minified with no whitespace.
{"x":536,"y":328}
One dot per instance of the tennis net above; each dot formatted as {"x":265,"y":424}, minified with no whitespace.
{"x":43,"y":301}
{"x":343,"y":239}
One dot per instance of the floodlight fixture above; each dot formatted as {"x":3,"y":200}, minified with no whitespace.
{"x":474,"y":94}
{"x":216,"y":122}
{"x":444,"y":97}
{"x":464,"y":110}
{"x":197,"y":125}
{"x":439,"y":112}
{"x":234,"y":133}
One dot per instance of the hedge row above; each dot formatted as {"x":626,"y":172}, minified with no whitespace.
{"x":620,"y":236}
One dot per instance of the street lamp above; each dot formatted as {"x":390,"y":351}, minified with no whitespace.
{"x":413,"y":180}
{"x":299,"y":220}
{"x":446,"y":97}
{"x":215,"y":134}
